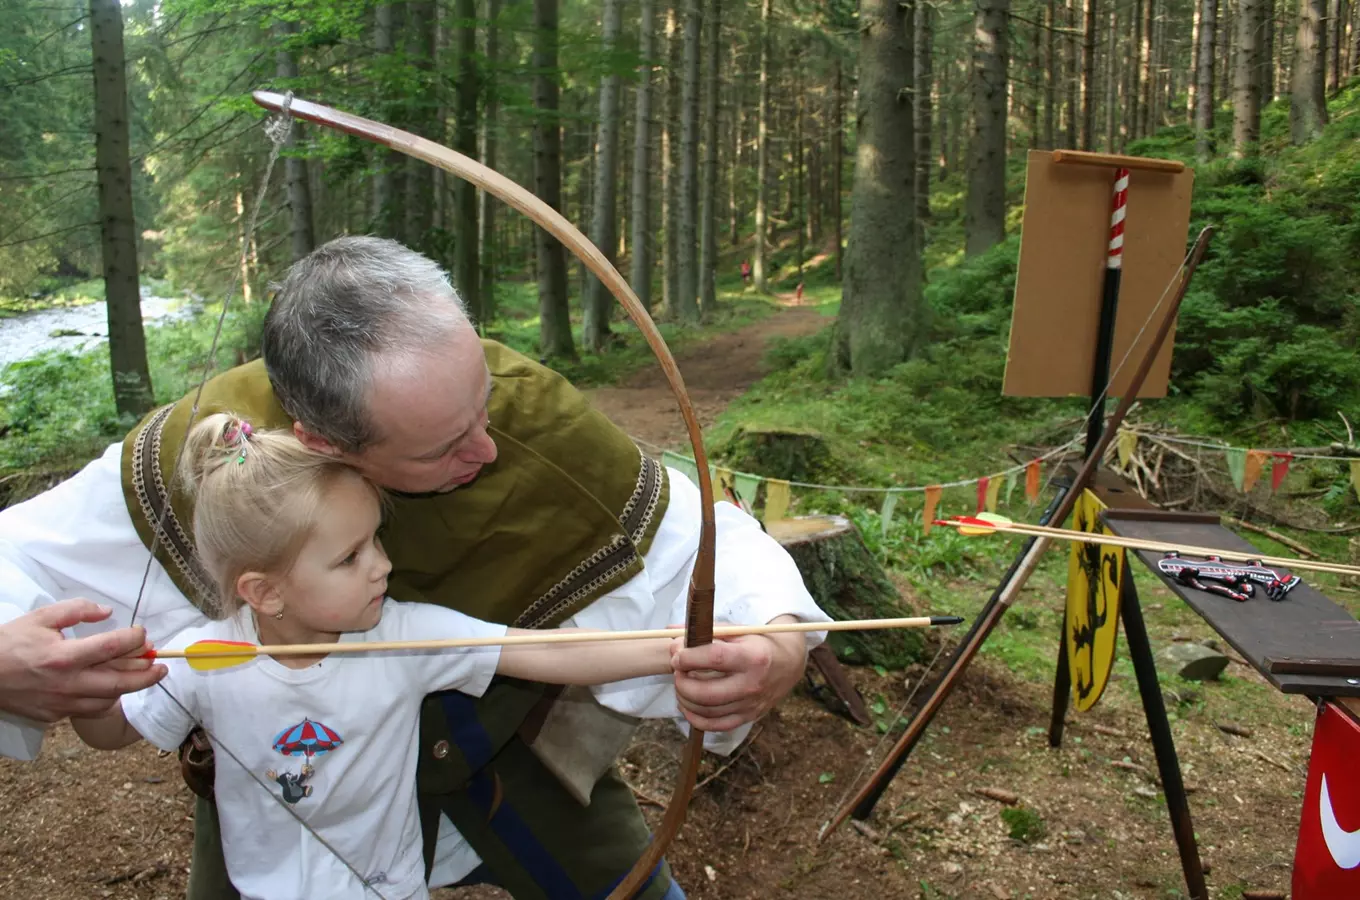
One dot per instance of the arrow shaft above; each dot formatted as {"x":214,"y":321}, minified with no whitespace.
{"x":566,"y":637}
{"x":1112,"y":540}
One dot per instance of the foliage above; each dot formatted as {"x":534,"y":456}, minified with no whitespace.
{"x":1025,"y":825}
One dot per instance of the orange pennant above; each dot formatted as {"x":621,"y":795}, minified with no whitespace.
{"x":1032,"y":482}
{"x":1251,"y":473}
{"x":932,"y":501}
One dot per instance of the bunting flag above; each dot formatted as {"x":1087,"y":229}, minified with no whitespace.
{"x":776,"y":500}
{"x":993,"y":488}
{"x":889,"y":504}
{"x":1032,"y":482}
{"x":1279,"y":469}
{"x":1237,"y":466}
{"x":1355,"y":476}
{"x":746,"y":487}
{"x":1251,"y":471}
{"x":932,"y":501}
{"x":1128,"y":442}
{"x":681,"y":464}
{"x":983,"y":484}
{"x":1010,"y":485}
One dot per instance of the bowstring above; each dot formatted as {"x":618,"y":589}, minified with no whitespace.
{"x":888,"y":733}
{"x":278,"y":129}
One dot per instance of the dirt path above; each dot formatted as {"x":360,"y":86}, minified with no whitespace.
{"x":715,"y":372}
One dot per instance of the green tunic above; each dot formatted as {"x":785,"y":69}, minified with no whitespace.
{"x":565,"y":514}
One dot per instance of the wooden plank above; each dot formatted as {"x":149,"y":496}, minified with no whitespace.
{"x":1305,"y":625}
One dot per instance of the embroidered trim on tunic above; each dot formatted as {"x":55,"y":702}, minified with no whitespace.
{"x":610,"y":560}
{"x":153,"y":498}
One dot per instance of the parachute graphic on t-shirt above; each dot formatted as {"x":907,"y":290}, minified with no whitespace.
{"x":306,"y":739}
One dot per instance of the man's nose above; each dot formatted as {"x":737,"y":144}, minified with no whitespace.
{"x":481,"y":449}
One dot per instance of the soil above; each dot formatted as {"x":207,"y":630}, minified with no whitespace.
{"x":78,"y":823}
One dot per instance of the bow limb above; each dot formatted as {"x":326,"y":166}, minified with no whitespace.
{"x":861,"y":804}
{"x":699,"y":627}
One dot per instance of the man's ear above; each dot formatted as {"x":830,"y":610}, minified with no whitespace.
{"x":314,"y":442}
{"x":259,"y":593}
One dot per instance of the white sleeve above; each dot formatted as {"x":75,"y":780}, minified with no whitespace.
{"x":756,"y":580}
{"x":469,"y":669}
{"x":166,"y":712}
{"x":77,"y":540}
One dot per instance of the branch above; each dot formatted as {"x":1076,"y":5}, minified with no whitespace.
{"x":70,"y":70}
{"x":38,"y":237}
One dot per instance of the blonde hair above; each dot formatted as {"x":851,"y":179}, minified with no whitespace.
{"x":257,"y":496}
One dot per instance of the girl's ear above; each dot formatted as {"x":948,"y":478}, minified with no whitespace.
{"x":258,"y":591}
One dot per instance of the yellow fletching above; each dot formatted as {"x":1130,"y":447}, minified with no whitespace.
{"x":204,"y":656}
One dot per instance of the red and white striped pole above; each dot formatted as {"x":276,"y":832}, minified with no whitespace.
{"x":1109,"y":303}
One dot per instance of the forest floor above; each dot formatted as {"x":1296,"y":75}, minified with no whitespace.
{"x":78,"y":823}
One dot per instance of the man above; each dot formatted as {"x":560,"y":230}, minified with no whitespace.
{"x":512,"y":500}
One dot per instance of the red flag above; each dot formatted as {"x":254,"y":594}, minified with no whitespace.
{"x":1032,"y":481}
{"x":932,"y":501}
{"x":1279,"y":469}
{"x":982,"y":492}
{"x":1327,"y":855}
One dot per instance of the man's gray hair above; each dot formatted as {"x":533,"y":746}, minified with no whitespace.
{"x":338,"y":309}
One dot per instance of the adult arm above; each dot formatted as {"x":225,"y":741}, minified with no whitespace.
{"x":77,"y":541}
{"x":756,"y":582}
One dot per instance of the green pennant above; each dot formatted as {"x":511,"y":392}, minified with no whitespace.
{"x":889,"y":504}
{"x":746,"y":487}
{"x":1237,"y":466}
{"x":681,"y":464}
{"x":1011,"y":479}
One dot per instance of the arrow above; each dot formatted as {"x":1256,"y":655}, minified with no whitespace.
{"x":207,"y":655}
{"x":991,"y":523}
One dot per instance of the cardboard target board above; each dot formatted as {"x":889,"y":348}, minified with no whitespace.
{"x":1065,"y":238}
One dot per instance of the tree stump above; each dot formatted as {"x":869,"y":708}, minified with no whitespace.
{"x":848,"y":583}
{"x":788,"y":454}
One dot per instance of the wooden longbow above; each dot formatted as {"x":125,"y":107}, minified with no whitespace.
{"x":699,"y":620}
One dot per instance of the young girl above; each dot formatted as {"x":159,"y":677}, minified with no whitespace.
{"x":291,"y":539}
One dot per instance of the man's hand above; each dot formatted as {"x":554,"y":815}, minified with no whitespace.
{"x":46,"y":676}
{"x":737,"y":680}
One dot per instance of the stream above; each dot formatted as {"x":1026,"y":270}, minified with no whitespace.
{"x":76,"y":328}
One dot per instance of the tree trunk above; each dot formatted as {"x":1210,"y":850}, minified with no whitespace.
{"x":554,"y":330}
{"x":1054,"y":76}
{"x":922,"y":56}
{"x":1267,"y":55}
{"x":1088,"y":75}
{"x":1036,"y":67}
{"x":1112,"y":83}
{"x":985,"y":216}
{"x":640,"y":275}
{"x":1246,"y":82}
{"x":708,"y":220}
{"x":670,"y":206}
{"x":388,"y":165}
{"x":487,"y":248}
{"x":763,"y":150}
{"x":1146,"y":102}
{"x":1307,"y":101}
{"x":838,"y":167}
{"x":1192,"y":83}
{"x":883,"y":315}
{"x":466,"y":271}
{"x":1070,"y":51}
{"x":686,"y":308}
{"x":738,"y":120}
{"x":1204,"y":92}
{"x":421,"y":118}
{"x":1333,"y":46}
{"x":301,"y":236}
{"x":604,"y":226}
{"x":118,"y":231}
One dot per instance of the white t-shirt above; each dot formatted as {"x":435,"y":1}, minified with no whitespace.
{"x":334,"y":744}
